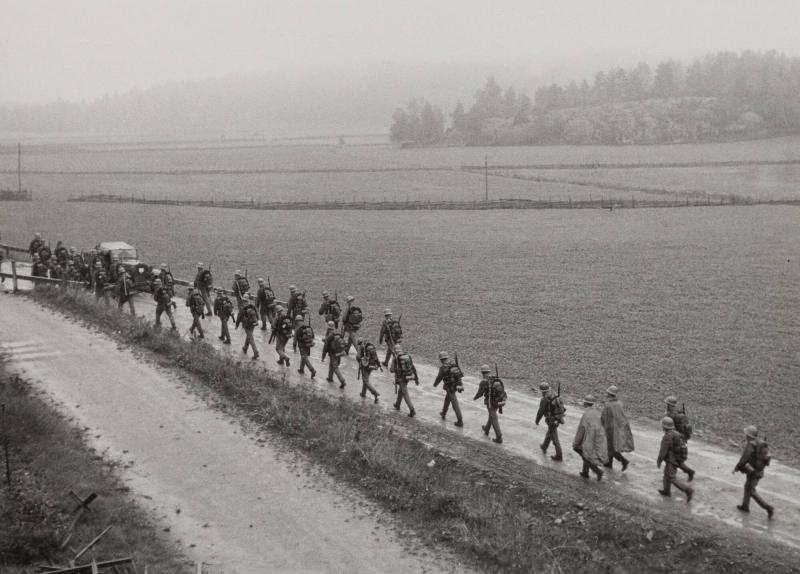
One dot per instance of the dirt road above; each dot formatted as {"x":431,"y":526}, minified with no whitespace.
{"x":233,"y":499}
{"x":717,"y":490}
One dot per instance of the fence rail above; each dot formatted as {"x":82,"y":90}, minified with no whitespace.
{"x":503,"y":203}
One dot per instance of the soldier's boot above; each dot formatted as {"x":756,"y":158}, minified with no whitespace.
{"x":498,"y":439}
{"x":342,"y":382}
{"x":330,"y":371}
{"x":666,"y":489}
{"x":625,"y":462}
{"x":457,"y":410}
{"x":485,"y":429}
{"x":558,"y":456}
{"x":385,"y":362}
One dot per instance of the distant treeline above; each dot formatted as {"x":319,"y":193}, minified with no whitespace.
{"x":721,"y":96}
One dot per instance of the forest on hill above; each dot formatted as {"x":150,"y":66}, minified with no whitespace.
{"x":721,"y":96}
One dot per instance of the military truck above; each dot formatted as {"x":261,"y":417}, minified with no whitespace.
{"x":126,"y":255}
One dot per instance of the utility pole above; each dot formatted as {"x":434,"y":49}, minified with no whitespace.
{"x":19,"y":167}
{"x":486,"y":176}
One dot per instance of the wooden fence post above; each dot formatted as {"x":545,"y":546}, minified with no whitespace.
{"x":14,"y":275}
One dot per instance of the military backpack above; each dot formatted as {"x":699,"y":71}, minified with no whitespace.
{"x":206,"y":279}
{"x":334,"y":311}
{"x":369,"y":357}
{"x":453,"y":376}
{"x":405,"y":367}
{"x":679,"y":447}
{"x":556,"y":408}
{"x":762,"y":458}
{"x":284,"y":326}
{"x":354,"y":316}
{"x":497,"y":391}
{"x":336,"y":345}
{"x":395,"y":330}
{"x":242,"y":285}
{"x":306,"y":336}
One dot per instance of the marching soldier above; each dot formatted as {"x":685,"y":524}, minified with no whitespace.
{"x":248,"y":318}
{"x":492,"y":390}
{"x":330,"y":309}
{"x":404,"y":372}
{"x":223,"y":308}
{"x":590,"y":440}
{"x":683,"y":426}
{"x":265,"y":303}
{"x":196,"y":305}
{"x":451,"y":376}
{"x":304,"y":339}
{"x":618,"y":429}
{"x":755,"y":458}
{"x":240,"y":288}
{"x":368,"y":361}
{"x":100,"y":281}
{"x":164,"y":303}
{"x":392,"y":333}
{"x":551,"y":407}
{"x":36,"y":244}
{"x":282,"y":330}
{"x":334,"y":348}
{"x":125,"y":290}
{"x":351,"y":323}
{"x":167,"y":280}
{"x":673,"y":452}
{"x":203,"y":281}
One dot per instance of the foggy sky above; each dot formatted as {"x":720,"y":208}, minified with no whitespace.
{"x":82,"y":49}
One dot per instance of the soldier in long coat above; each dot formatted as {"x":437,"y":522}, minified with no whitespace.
{"x":590,"y":440}
{"x":618,"y":429}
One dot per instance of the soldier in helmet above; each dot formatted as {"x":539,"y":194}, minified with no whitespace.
{"x":590,"y":440}
{"x":240,"y":288}
{"x":282,"y":330}
{"x":755,"y":458}
{"x":248,"y":318}
{"x":683,"y":426}
{"x":351,"y":322}
{"x":491,"y":389}
{"x":334,"y":348}
{"x":551,"y":407}
{"x":36,"y":244}
{"x":673,"y":451}
{"x":223,"y":308}
{"x":451,"y":376}
{"x":618,"y":429}
{"x":304,"y":339}
{"x":167,"y":280}
{"x":265,"y":303}
{"x":404,"y":373}
{"x":368,"y":361}
{"x":203,"y":282}
{"x":392,"y":333}
{"x":196,"y":305}
{"x":330,"y":309}
{"x":100,"y":282}
{"x":125,"y":290}
{"x":164,"y":303}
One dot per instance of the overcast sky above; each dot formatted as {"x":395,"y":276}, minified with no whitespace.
{"x":82,"y":49}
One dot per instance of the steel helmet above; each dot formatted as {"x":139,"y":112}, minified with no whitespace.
{"x":751,"y":431}
{"x":387,"y":312}
{"x":237,"y":273}
{"x":612,"y":391}
{"x":667,"y":423}
{"x":360,"y":340}
{"x":331,"y":324}
{"x":671,"y":401}
{"x":190,"y":288}
{"x":398,"y":349}
{"x":72,"y":248}
{"x":292,"y":288}
{"x":350,"y":298}
{"x":157,"y":281}
{"x":325,"y":294}
{"x":38,"y":235}
{"x":486,"y":369}
{"x":199,"y":264}
{"x":588,"y":400}
{"x":443,"y":355}
{"x":544,"y":386}
{"x":298,"y":318}
{"x":261,"y":280}
{"x":163,"y":266}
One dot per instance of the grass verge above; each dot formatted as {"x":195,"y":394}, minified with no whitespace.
{"x":49,"y":457}
{"x":503,"y":512}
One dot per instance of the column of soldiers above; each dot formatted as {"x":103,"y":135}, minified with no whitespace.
{"x":603,"y":434}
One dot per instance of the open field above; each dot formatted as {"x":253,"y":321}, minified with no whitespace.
{"x":698,"y":302}
{"x":759,"y":182}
